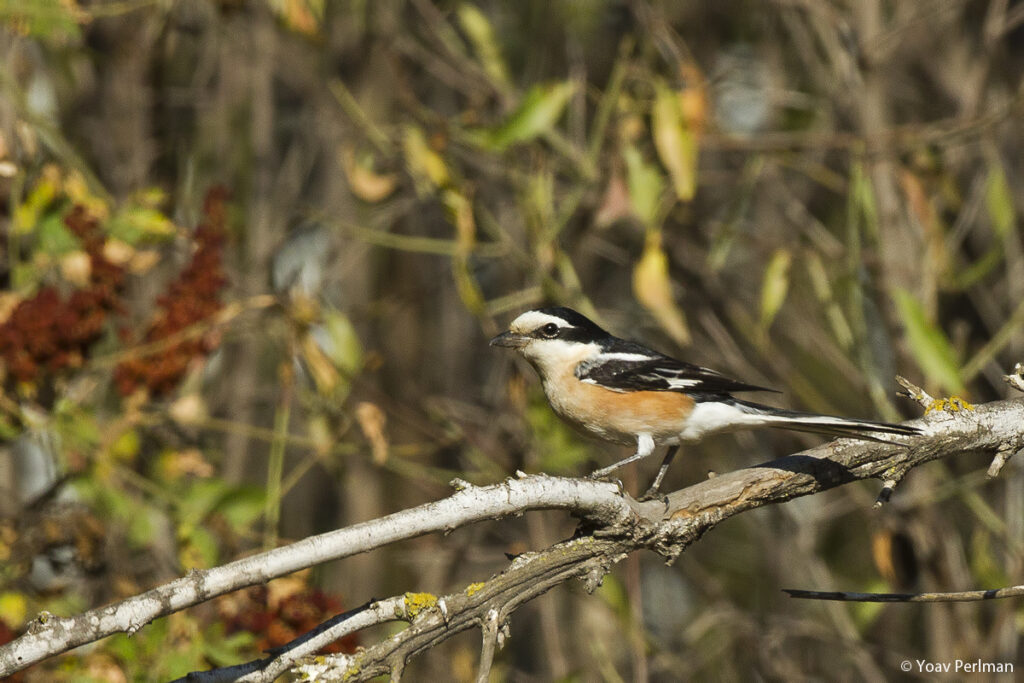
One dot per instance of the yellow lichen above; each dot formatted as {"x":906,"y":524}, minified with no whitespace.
{"x":417,"y":602}
{"x":953,"y":404}
{"x":474,"y":588}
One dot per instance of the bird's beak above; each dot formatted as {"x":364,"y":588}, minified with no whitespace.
{"x":511,"y":340}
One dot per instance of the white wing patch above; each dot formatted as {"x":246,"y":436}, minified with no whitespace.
{"x":675,"y":382}
{"x":621,"y":356}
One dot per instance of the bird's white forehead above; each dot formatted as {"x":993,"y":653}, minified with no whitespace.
{"x":531,"y":320}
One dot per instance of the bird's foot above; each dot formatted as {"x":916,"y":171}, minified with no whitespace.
{"x":650,"y":494}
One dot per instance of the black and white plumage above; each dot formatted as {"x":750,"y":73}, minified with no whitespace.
{"x":624,"y":392}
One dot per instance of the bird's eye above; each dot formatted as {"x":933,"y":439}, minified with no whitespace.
{"x":550,"y":331}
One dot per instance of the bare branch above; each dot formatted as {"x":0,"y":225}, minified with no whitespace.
{"x":284,"y":658}
{"x":961,"y":596}
{"x":613,"y":526}
{"x":915,"y":392}
{"x":50,"y":635}
{"x":1016,"y":378}
{"x":685,"y":515}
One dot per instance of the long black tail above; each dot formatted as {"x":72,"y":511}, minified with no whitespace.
{"x":828,"y":425}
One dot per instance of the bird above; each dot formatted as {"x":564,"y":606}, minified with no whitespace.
{"x":626,"y":393}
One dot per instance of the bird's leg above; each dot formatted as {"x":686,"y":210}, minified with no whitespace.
{"x":644,"y":447}
{"x":653,"y":490}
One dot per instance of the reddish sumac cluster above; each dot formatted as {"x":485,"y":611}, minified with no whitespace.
{"x":192,"y":298}
{"x":47,"y":333}
{"x":291,"y":616}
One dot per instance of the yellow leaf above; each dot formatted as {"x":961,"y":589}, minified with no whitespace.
{"x":460,"y":213}
{"x":676,"y":142}
{"x":653,"y":289}
{"x":8,"y":302}
{"x":319,"y":431}
{"x":117,"y":251}
{"x":466,"y":285}
{"x":27,"y":214}
{"x":321,"y":369}
{"x":76,"y":267}
{"x":13,"y":608}
{"x":188,"y":410}
{"x":693,"y":97}
{"x":372,"y":421}
{"x":426,"y":166}
{"x":366,"y":184}
{"x":77,"y":190}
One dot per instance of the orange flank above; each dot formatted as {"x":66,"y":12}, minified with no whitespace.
{"x":621,"y":415}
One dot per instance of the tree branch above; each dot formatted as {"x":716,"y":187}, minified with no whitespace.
{"x":613,"y":526}
{"x":960,"y":596}
{"x":49,"y":635}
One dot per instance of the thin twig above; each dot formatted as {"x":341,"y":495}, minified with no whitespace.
{"x":284,"y":658}
{"x":1016,"y":379}
{"x":999,"y":461}
{"x":961,"y":596}
{"x":489,"y":633}
{"x":915,"y":392}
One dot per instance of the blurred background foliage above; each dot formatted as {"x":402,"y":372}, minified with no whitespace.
{"x":253,"y":251}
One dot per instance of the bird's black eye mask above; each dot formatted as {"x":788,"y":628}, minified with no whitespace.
{"x":548,"y":331}
{"x":566,"y":333}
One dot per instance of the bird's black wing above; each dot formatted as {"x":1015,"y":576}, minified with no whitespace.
{"x":632,"y":367}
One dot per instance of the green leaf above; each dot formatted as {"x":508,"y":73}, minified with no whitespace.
{"x":200,"y":499}
{"x":866,"y":613}
{"x":242,"y":507}
{"x":646,"y":187}
{"x":985,"y":570}
{"x":481,"y":34}
{"x":613,"y":593}
{"x":53,"y":237}
{"x":199,"y":548}
{"x":675,"y":142}
{"x":930,"y":347}
{"x":774,"y":286}
{"x":972,"y":274}
{"x":126,"y":445}
{"x":134,"y":224}
{"x":999,"y":201}
{"x":224,"y":650}
{"x":8,"y":430}
{"x":537,"y":114}
{"x":142,"y":525}
{"x":44,"y":19}
{"x":560,"y":450}
{"x":341,"y":343}
{"x":39,"y":199}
